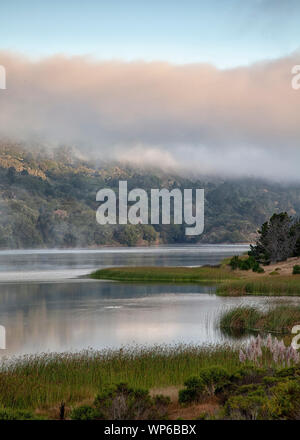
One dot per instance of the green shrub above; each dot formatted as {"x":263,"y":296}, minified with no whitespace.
{"x":296,"y":270}
{"x":209,"y":381}
{"x":84,"y":412}
{"x":234,"y":262}
{"x":248,"y":407}
{"x":285,"y":403}
{"x":245,"y":264}
{"x":289,"y":372}
{"x":193,"y":392}
{"x":214,"y":378}
{"x":259,"y":270}
{"x":16,"y":414}
{"x":123,"y":403}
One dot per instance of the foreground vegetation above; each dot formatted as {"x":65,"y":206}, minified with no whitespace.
{"x":41,"y":382}
{"x":248,"y":393}
{"x":279,"y":319}
{"x":114,"y":385}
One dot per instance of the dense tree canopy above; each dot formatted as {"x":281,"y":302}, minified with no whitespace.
{"x":279,"y":239}
{"x":49,"y":200}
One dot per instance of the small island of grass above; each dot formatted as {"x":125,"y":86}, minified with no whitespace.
{"x":165,"y":274}
{"x":279,"y":319}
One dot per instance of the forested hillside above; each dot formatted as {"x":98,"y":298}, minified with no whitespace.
{"x":47,"y":199}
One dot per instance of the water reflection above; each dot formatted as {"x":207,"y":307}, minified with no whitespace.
{"x":67,"y":314}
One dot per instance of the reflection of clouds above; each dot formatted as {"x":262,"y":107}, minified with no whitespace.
{"x":58,"y":322}
{"x":75,"y":314}
{"x":80,"y":319}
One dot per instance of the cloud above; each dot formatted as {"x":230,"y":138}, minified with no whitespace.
{"x":242,"y":121}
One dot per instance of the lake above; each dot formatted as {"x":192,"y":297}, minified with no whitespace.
{"x":46,"y":306}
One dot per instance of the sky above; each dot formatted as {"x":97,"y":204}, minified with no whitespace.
{"x":225,"y":33}
{"x":201,"y":86}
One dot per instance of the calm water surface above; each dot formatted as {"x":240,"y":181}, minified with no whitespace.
{"x":45,"y":306}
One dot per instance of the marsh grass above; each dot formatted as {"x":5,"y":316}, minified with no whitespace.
{"x":165,"y":274}
{"x":229,"y":283}
{"x":279,"y":319}
{"x":43,"y":381}
{"x":272,"y":286}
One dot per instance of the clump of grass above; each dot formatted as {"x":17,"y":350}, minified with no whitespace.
{"x":240,"y":318}
{"x":279,"y":319}
{"x":43,"y":381}
{"x":273,"y":286}
{"x":165,"y":274}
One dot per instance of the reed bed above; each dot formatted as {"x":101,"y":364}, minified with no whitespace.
{"x":278,"y":319}
{"x":44,"y":380}
{"x":269,"y":286}
{"x":165,"y":274}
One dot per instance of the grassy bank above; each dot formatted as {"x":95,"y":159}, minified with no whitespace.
{"x":230,"y":283}
{"x":43,"y":381}
{"x":165,"y":274}
{"x":264,"y":285}
{"x":279,"y":319}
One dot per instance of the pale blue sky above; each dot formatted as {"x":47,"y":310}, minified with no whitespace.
{"x":225,"y":33}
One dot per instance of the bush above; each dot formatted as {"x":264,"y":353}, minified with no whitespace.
{"x":249,"y":393}
{"x":285,"y":403}
{"x":123,"y":403}
{"x":214,"y":378}
{"x":245,"y":264}
{"x":84,"y":412}
{"x":193,"y":392}
{"x":259,"y":270}
{"x":246,"y":407}
{"x":296,"y":270}
{"x":209,"y":381}
{"x":234,"y":262}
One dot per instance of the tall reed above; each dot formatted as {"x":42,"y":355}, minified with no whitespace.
{"x":45,"y":380}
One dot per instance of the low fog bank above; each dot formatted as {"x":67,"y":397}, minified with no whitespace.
{"x":189,"y":119}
